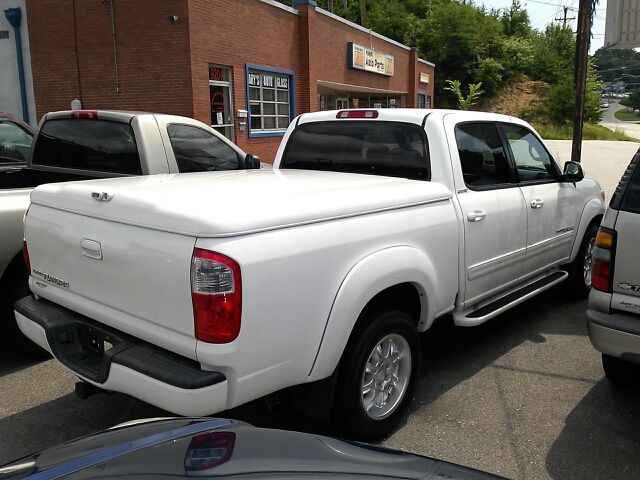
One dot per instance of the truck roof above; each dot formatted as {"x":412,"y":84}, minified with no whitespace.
{"x":413,"y":115}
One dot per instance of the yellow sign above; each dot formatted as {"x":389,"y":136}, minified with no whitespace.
{"x":370,"y":60}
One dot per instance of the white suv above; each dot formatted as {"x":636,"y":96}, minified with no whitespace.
{"x":613,"y":317}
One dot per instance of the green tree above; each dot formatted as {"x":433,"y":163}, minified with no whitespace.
{"x":471,"y":99}
{"x":633,"y":100}
{"x":456,"y":37}
{"x":560,"y":103}
{"x":489,"y":73}
{"x":553,"y":54}
{"x":515,"y":21}
{"x":391,"y":19}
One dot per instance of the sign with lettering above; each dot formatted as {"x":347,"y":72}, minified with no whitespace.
{"x":370,"y":60}
{"x":424,"y":78}
{"x":267,"y":81}
{"x":254,"y":79}
{"x":216,"y":73}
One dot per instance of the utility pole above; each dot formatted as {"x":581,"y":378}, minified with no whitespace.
{"x":565,"y":18}
{"x":585,"y":11}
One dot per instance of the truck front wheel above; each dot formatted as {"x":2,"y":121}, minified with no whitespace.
{"x":378,"y":373}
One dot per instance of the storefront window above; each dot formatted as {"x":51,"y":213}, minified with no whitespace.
{"x":378,"y":100}
{"x":422,"y":100}
{"x":220,"y":100}
{"x":269,"y":97}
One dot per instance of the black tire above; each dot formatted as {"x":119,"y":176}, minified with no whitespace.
{"x":621,"y":372}
{"x":578,"y":284}
{"x":390,"y":340}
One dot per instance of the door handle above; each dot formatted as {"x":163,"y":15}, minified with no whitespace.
{"x":537,"y":203}
{"x":475,"y":215}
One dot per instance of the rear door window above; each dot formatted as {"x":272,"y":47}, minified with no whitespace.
{"x":374,"y":148}
{"x":197,"y":150}
{"x":94,"y":145}
{"x":482,"y":156}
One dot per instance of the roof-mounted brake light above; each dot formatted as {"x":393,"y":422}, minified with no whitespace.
{"x":90,"y":114}
{"x":357,"y":114}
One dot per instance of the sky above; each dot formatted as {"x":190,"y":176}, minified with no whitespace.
{"x":543,"y":12}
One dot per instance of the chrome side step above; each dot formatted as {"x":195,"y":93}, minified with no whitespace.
{"x":479,"y":314}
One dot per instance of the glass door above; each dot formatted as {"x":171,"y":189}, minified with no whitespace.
{"x":220,"y":100}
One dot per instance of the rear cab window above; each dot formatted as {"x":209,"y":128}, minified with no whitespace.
{"x":93,"y":145}
{"x":375,"y":148}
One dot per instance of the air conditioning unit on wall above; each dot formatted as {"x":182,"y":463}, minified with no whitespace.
{"x":622,"y":27}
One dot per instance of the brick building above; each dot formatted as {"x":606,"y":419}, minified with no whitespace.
{"x":246,"y":67}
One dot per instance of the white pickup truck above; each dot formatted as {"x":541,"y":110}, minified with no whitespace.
{"x":200,"y":292}
{"x":84,"y":144}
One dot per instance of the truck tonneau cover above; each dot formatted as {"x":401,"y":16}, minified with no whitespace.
{"x":221,"y":204}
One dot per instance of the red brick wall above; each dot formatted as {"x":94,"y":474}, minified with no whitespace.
{"x":163,"y":65}
{"x":77,"y":61}
{"x":425,"y":87}
{"x":329,"y":46}
{"x":234,"y":33}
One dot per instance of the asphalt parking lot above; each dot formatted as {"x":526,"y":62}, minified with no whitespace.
{"x":523,"y":396}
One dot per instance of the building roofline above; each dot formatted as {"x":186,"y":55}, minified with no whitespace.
{"x":347,"y":22}
{"x":282,"y":6}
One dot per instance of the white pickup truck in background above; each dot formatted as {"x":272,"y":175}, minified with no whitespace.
{"x":77,"y":145}
{"x":200,"y":292}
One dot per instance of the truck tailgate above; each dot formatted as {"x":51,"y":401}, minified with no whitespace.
{"x":131,"y":278}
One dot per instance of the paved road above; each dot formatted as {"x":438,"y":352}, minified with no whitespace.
{"x":631,"y":128}
{"x":604,"y":161}
{"x":522,"y":396}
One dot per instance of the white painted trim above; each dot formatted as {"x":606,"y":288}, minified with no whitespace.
{"x":282,"y":6}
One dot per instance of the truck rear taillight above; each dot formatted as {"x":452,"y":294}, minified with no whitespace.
{"x":216,"y":291}
{"x":602,"y":273}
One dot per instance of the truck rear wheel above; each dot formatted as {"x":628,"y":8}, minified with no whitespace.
{"x":378,"y":374}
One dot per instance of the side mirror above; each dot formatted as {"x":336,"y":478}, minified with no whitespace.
{"x":572,"y":172}
{"x":251,"y":161}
